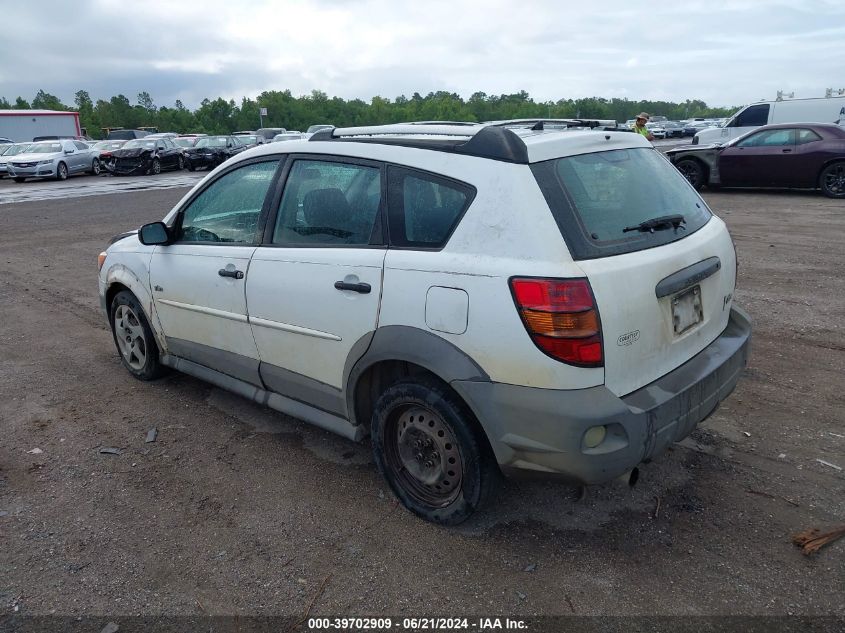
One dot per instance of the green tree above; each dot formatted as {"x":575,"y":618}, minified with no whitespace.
{"x":46,"y":101}
{"x":21,"y":104}
{"x":4,"y":104}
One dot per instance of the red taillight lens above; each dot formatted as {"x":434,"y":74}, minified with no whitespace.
{"x":561,"y":317}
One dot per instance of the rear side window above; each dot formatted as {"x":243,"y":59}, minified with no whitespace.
{"x":595,"y":197}
{"x":769,"y":138}
{"x":423,"y":209}
{"x":328,"y":203}
{"x":807,"y":136}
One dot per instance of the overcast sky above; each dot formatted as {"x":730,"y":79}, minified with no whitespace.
{"x":724,"y":52}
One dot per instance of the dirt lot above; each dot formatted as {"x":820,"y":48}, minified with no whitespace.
{"x":238,"y":510}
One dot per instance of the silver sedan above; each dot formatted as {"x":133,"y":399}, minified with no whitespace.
{"x":54,"y":159}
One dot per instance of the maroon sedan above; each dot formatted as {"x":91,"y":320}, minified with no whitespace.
{"x":787,"y":155}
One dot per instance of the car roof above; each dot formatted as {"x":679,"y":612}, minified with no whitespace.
{"x":516,"y":141}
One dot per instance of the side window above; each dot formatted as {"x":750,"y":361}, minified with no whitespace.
{"x":423,"y":208}
{"x":328,"y":203}
{"x":80,"y":145}
{"x":769,"y":138}
{"x":807,"y":136}
{"x":753,"y":116}
{"x":229,"y":208}
{"x":160,"y":145}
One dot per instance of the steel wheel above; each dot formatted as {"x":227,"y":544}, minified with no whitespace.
{"x":423,"y":452}
{"x":130,"y":337}
{"x":833,"y":180}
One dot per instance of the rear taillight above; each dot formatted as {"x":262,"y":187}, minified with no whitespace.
{"x":561,"y":317}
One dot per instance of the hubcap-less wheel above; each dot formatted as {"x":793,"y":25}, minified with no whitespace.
{"x":129,"y":334}
{"x":422,"y":451}
{"x":833,"y":181}
{"x":692,"y":171}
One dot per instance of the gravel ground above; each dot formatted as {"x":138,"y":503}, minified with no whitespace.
{"x":235,"y":509}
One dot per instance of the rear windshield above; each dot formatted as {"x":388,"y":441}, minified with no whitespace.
{"x":595,"y":197}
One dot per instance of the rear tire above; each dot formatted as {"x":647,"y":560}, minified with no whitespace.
{"x":832,"y":180}
{"x":692,"y":170}
{"x":134,"y":338}
{"x":427,"y":446}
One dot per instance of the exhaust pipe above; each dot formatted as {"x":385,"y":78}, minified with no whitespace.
{"x":630,"y":478}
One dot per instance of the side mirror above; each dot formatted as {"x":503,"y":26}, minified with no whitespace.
{"x":153,"y":234}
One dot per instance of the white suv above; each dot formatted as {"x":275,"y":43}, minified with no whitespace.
{"x":475,"y":298}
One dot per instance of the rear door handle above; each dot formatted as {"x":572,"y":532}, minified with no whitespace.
{"x":787,"y":151}
{"x":363,"y":288}
{"x":234,"y":274}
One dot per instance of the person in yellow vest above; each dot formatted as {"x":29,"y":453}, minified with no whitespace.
{"x":639,"y":125}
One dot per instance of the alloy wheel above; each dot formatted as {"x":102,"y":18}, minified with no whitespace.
{"x":129,"y":334}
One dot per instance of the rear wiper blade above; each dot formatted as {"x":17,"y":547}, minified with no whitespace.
{"x":658,"y":224}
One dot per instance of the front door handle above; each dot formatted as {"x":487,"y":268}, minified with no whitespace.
{"x":234,"y":274}
{"x":363,"y":288}
{"x":787,"y":151}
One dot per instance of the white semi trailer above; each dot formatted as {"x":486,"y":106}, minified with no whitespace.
{"x":25,"y":125}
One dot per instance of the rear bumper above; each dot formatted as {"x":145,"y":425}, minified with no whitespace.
{"x":542,"y":430}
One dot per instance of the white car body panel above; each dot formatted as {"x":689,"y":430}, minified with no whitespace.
{"x":300,"y":321}
{"x":195,"y":304}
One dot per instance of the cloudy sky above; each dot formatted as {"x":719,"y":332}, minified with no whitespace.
{"x":722,"y":51}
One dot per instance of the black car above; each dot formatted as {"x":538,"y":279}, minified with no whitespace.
{"x":210,"y":151}
{"x":142,"y":156}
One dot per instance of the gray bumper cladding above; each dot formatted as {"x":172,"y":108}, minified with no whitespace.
{"x":542,"y":430}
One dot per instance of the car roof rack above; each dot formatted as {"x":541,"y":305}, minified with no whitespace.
{"x":496,"y":140}
{"x":484,"y":141}
{"x":538,"y":125}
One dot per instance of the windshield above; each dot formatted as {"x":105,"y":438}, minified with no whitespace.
{"x":108,"y":145}
{"x":594,"y":197}
{"x":14,"y":150}
{"x":246,"y":140}
{"x":185,"y":142}
{"x":44,"y":148}
{"x":212,"y":141}
{"x":139,"y":143}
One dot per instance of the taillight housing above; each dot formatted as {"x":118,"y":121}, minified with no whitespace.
{"x":561,"y":317}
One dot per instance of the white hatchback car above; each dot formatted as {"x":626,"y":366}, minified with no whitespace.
{"x":476,"y":299}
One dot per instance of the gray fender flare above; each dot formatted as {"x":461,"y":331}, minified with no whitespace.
{"x":412,"y":345}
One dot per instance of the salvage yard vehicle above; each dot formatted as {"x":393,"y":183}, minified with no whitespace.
{"x":105,"y":149}
{"x":210,"y":151}
{"x":145,"y":156}
{"x":54,"y":159}
{"x":9,"y":150}
{"x":376,"y":281}
{"x":790,"y":155}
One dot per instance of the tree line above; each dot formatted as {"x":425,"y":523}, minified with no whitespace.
{"x":219,"y":116}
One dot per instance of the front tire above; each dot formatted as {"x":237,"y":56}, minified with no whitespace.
{"x":17,"y":179}
{"x":181,"y":163}
{"x":134,"y":338}
{"x":95,"y":167}
{"x":692,"y":170}
{"x":832,"y":180}
{"x":425,"y":444}
{"x":61,"y":172}
{"x":155,"y":168}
